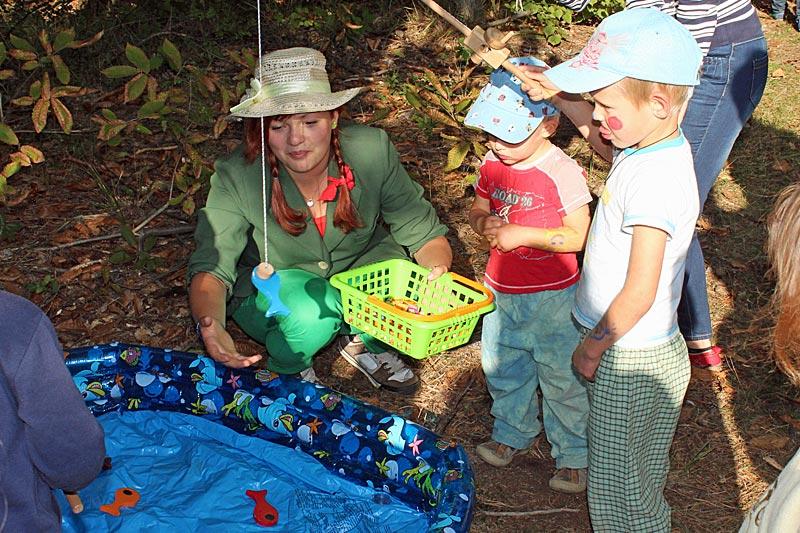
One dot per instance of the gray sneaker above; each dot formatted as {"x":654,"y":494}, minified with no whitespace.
{"x":383,"y":369}
{"x":309,"y":375}
{"x":569,"y":480}
{"x":496,"y":453}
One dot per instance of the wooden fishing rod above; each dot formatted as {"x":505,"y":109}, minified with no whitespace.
{"x":487,"y":45}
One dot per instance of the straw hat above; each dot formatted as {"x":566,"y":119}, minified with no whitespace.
{"x":291,"y":81}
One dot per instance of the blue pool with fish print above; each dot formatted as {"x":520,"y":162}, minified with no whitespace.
{"x":207,"y":448}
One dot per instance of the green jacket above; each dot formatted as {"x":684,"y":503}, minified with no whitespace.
{"x":396,"y":219}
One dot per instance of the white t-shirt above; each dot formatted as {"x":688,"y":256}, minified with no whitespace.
{"x":778,"y":509}
{"x":654,"y":186}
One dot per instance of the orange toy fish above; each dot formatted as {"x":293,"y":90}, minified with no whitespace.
{"x":124,"y":497}
{"x":263,"y":513}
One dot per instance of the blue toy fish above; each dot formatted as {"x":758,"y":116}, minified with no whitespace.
{"x":268,"y":283}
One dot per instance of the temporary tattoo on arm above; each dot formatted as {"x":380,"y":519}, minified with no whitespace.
{"x":555,"y":238}
{"x":600,"y":332}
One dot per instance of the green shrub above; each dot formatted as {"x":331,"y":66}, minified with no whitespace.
{"x":597,"y":10}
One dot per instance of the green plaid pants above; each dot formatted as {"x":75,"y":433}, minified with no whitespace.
{"x":634,"y":403}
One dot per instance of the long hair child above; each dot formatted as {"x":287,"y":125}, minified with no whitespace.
{"x":784,"y":254}
{"x":778,"y":509}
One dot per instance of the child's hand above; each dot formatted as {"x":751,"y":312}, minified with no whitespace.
{"x":489,"y":224}
{"x":542,"y":88}
{"x":584,"y":363}
{"x":506,"y":237}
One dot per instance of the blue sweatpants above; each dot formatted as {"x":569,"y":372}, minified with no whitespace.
{"x":527,"y":343}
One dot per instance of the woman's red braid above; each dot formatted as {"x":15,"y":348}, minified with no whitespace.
{"x":345,"y":217}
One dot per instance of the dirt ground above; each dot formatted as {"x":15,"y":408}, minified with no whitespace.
{"x":737,"y":427}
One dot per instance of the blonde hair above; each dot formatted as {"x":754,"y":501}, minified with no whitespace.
{"x":784,"y":254}
{"x":640,"y":91}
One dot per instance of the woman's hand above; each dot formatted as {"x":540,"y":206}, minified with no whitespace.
{"x":437,"y":271}
{"x":220,"y":346}
{"x":435,"y":255}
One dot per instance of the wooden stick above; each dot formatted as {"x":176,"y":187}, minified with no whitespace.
{"x":75,"y":502}
{"x":530,"y":513}
{"x":478,"y":42}
{"x":451,"y":410}
{"x":439,"y":10}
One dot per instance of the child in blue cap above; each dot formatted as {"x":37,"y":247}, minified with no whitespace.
{"x":639,"y":67}
{"x":531,"y":204}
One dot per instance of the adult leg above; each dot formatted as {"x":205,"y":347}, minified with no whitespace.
{"x":777,"y":9}
{"x":293,"y":340}
{"x":635,"y":404}
{"x":731,"y":86}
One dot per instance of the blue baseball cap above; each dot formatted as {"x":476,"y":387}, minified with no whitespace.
{"x":642,"y":43}
{"x":504,"y":110}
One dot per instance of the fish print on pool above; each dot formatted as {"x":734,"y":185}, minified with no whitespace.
{"x":352,"y":439}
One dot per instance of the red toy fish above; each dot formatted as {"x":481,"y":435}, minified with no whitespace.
{"x":263,"y":513}
{"x":125,"y":497}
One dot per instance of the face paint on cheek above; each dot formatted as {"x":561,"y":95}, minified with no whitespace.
{"x":614,"y":123}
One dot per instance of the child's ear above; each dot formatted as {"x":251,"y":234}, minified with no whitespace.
{"x":660,"y":104}
{"x":549,"y":126}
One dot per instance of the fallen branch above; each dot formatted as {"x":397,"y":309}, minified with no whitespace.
{"x":159,"y":232}
{"x":156,"y":149}
{"x":78,"y":242}
{"x":151,"y":217}
{"x":451,"y":410}
{"x":162,"y":232}
{"x":529,"y":513}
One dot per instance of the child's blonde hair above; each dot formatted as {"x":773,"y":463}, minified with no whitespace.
{"x":784,"y":254}
{"x":640,"y":91}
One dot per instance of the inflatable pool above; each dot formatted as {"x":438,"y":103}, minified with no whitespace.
{"x":197,"y":445}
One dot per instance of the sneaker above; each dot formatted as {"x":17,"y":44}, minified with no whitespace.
{"x":383,"y":369}
{"x":496,"y":453}
{"x":709,"y":358}
{"x":569,"y":480}
{"x":309,"y":375}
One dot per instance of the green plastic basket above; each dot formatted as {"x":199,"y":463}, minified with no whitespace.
{"x":449,"y":306}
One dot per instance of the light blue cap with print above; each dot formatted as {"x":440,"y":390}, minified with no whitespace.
{"x":504,"y":110}
{"x":641,"y":43}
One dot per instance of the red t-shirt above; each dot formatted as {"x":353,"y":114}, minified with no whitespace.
{"x":538,"y":195}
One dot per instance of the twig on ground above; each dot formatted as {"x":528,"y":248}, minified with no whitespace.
{"x":72,"y":273}
{"x":451,"y":411}
{"x":159,"y":232}
{"x":147,"y":220}
{"x":530,"y":513}
{"x":60,"y":132}
{"x":78,"y":242}
{"x":162,"y":232}
{"x":156,"y":149}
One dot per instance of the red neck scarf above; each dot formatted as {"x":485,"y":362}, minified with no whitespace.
{"x":329,"y":193}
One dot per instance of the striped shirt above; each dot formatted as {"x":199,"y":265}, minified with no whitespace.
{"x":713,"y":23}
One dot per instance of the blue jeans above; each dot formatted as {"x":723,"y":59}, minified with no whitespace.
{"x":527,"y":342}
{"x":778,"y":9}
{"x":730,"y":88}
